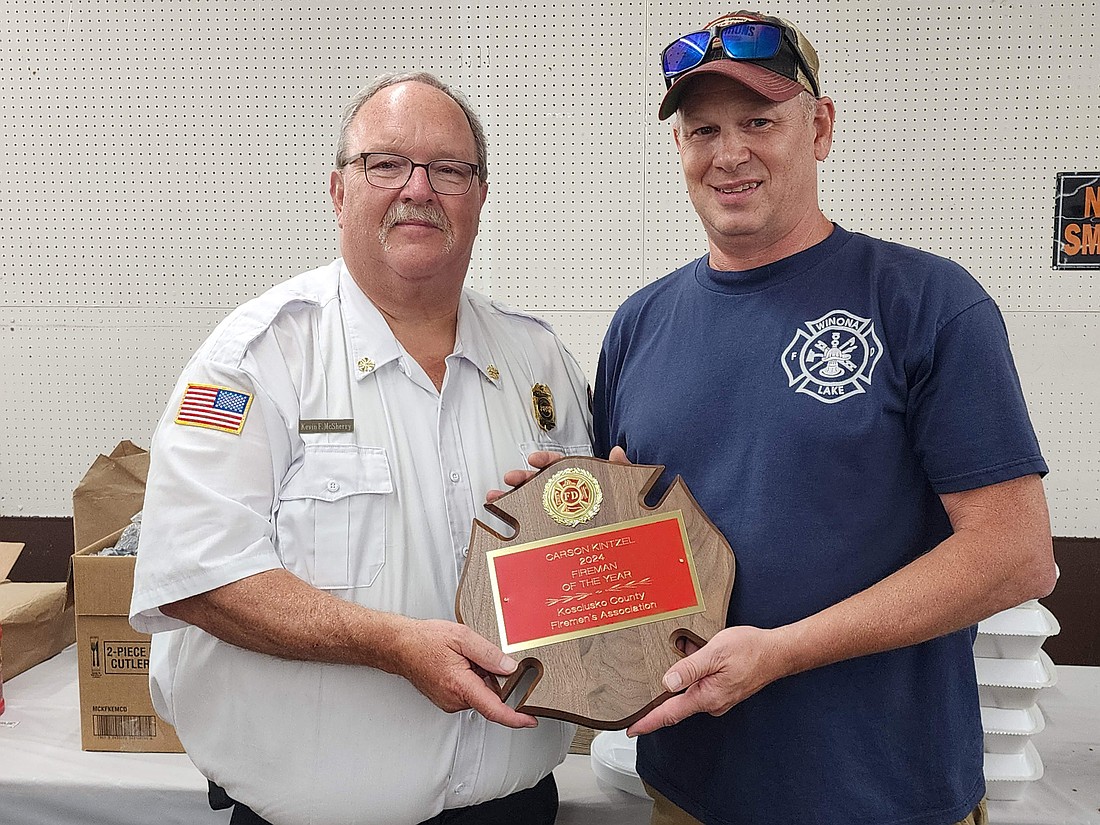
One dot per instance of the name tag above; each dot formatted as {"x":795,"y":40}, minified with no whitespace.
{"x":326,"y":425}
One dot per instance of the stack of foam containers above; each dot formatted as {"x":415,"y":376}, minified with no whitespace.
{"x":1012,"y":670}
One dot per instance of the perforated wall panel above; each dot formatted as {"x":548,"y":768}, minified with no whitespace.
{"x":163,"y":163}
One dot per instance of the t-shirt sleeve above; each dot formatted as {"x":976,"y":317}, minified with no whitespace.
{"x":966,"y":415}
{"x":209,"y":499}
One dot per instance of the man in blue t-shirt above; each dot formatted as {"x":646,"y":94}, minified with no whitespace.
{"x":848,"y":414}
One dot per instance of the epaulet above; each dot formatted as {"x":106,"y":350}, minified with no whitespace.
{"x":504,"y":309}
{"x":234,"y":335}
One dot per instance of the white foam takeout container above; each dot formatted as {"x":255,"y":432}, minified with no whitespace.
{"x":1007,"y":775}
{"x":1008,"y":730}
{"x":1013,"y":683}
{"x":614,"y":756}
{"x":1016,"y":633}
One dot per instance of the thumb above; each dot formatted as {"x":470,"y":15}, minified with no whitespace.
{"x":618,"y":456}
{"x":485,"y":654}
{"x":686,"y":672}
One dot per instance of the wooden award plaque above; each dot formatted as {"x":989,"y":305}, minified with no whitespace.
{"x":594,"y":589}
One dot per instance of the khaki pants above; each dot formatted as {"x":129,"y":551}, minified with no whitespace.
{"x":665,"y":813}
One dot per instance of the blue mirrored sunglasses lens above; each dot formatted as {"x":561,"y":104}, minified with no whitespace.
{"x":751,"y":41}
{"x":686,"y":53}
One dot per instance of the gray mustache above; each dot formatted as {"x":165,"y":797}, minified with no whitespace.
{"x":400,"y":212}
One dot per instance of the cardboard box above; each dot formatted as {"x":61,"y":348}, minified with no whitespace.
{"x":109,"y":494}
{"x":116,"y":713}
{"x":37,"y":620}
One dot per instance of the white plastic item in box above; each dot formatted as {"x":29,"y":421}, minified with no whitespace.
{"x":613,"y":756}
{"x":1016,"y":633}
{"x":1008,"y":730}
{"x":1007,"y":775}
{"x":1013,"y":683}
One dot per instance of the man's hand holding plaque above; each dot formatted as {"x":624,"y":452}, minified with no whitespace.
{"x":595,"y":591}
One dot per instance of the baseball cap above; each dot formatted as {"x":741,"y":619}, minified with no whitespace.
{"x":793,"y":69}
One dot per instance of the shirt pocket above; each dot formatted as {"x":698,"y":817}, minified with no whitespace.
{"x":528,"y":447}
{"x":331,"y":526}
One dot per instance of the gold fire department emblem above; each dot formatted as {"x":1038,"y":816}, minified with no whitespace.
{"x":572,"y":496}
{"x":542,"y":402}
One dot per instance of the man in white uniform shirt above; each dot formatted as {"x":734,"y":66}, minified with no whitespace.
{"x":310,"y":499}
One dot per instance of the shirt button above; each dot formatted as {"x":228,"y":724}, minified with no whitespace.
{"x":460,"y":787}
{"x":465,"y":551}
{"x":333,"y":485}
{"x":473,"y":714}
{"x":455,"y":476}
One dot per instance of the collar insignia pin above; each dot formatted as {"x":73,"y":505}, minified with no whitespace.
{"x":365,"y":365}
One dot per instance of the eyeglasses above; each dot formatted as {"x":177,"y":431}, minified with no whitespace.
{"x":445,"y":177}
{"x":739,"y":41}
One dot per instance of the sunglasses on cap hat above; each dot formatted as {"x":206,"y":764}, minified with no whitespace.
{"x":766,"y":42}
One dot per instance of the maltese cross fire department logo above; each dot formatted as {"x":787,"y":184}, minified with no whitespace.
{"x":833,"y":357}
{"x":572,"y":496}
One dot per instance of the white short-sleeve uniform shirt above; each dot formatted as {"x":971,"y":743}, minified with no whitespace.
{"x":379,"y":515}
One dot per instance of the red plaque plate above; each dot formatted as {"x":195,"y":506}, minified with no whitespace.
{"x":594,"y":581}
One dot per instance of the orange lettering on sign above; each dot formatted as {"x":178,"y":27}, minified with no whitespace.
{"x":1082,"y":239}
{"x":1090,"y":239}
{"x":1073,"y":239}
{"x":1092,"y":201}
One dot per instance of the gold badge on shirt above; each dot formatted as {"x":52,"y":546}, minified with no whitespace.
{"x":542,"y":402}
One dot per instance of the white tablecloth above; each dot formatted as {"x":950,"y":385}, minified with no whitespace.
{"x":45,"y":779}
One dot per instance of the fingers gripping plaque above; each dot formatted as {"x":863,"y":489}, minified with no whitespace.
{"x":595,"y":589}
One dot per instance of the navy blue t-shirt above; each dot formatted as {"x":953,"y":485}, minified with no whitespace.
{"x":816,"y":407}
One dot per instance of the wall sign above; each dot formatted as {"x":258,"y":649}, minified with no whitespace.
{"x":1077,"y":221}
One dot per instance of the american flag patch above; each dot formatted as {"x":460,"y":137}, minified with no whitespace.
{"x":216,"y":408}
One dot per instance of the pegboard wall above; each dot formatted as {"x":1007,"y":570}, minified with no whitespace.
{"x":164,"y":162}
